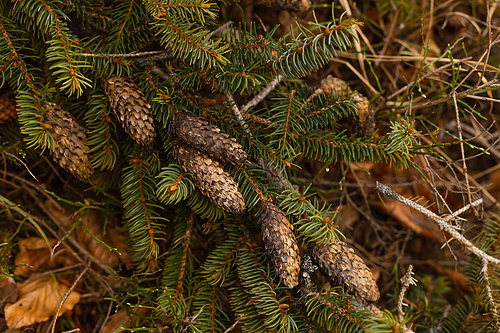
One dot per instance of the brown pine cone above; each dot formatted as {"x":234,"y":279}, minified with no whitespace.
{"x":210,"y":178}
{"x":334,"y":84}
{"x":131,"y":108}
{"x":208,"y":138}
{"x":280,"y":242}
{"x":8,"y":111}
{"x":343,"y":267}
{"x":291,"y":5}
{"x":363,"y":124}
{"x":70,"y":142}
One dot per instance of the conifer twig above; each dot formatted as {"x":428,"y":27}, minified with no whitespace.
{"x":442,"y":222}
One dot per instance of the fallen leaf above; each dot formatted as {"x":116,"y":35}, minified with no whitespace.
{"x":122,"y":320}
{"x":8,"y":290}
{"x":457,"y":277}
{"x":33,"y":254}
{"x":93,"y":220}
{"x":39,"y":299}
{"x":412,"y":219}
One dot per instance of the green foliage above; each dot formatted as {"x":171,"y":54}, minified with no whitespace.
{"x":215,"y":269}
{"x":140,"y":211}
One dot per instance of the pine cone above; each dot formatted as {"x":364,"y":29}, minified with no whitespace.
{"x":280,"y":242}
{"x":291,"y":5}
{"x":70,"y":142}
{"x":131,"y":108}
{"x":344,"y":267}
{"x":208,"y":138}
{"x":8,"y":111}
{"x":331,"y":83}
{"x":210,"y":178}
{"x":364,"y":122}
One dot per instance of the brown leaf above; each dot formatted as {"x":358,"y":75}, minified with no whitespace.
{"x":8,"y":289}
{"x":38,"y":300}
{"x":413,"y":220}
{"x":122,"y":320}
{"x":94,"y":221}
{"x":33,"y":254}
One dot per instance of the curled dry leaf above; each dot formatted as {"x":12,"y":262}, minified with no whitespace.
{"x":33,"y":254}
{"x":39,"y":299}
{"x":94,"y":221}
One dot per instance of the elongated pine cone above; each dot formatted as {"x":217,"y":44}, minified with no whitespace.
{"x":280,"y":242}
{"x":343,"y":267}
{"x":364,"y":122}
{"x":131,"y":108}
{"x":291,"y":5}
{"x":70,"y":142}
{"x":210,"y":178}
{"x":8,"y":110}
{"x":208,"y":138}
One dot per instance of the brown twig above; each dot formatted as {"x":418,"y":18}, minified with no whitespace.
{"x":65,"y":297}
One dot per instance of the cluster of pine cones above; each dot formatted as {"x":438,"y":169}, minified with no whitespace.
{"x":201,"y":150}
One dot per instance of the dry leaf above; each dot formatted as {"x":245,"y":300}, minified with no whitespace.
{"x":94,"y":221}
{"x":8,"y":290}
{"x":34,"y":253}
{"x":412,"y":219}
{"x":39,"y":299}
{"x":122,"y":320}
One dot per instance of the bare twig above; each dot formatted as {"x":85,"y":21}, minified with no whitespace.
{"x":65,"y":297}
{"x":234,"y":324}
{"x":262,"y":94}
{"x":442,"y":222}
{"x":460,"y":138}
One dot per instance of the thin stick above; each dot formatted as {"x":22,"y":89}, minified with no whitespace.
{"x":123,"y":55}
{"x":262,"y":94}
{"x":234,"y":324}
{"x":65,"y":297}
{"x":460,"y":138}
{"x":237,"y":114}
{"x":441,"y":222}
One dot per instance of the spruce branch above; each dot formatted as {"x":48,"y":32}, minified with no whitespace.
{"x":442,"y":222}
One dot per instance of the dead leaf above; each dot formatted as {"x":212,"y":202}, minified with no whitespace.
{"x":33,"y":254}
{"x":457,"y":277}
{"x":39,"y":299}
{"x":412,"y":219}
{"x":122,"y":320}
{"x":94,"y":221}
{"x":8,"y":290}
